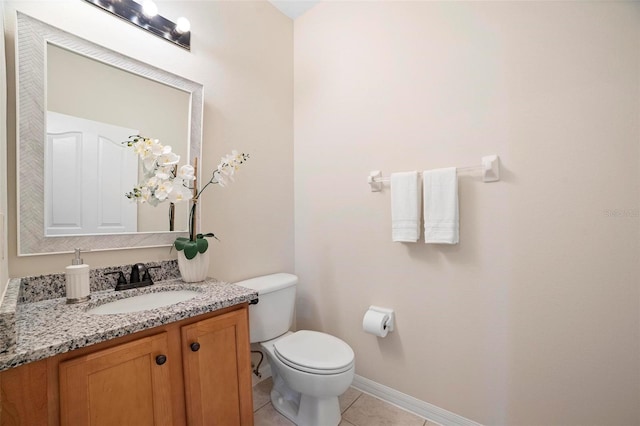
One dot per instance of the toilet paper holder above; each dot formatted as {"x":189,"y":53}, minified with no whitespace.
{"x":389,"y":325}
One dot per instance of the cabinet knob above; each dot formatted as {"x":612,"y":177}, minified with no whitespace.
{"x":195,"y":347}
{"x":161,"y":359}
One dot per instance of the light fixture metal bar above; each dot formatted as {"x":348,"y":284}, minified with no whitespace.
{"x":131,"y":12}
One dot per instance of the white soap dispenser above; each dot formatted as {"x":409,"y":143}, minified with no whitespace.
{"x":77,"y":275}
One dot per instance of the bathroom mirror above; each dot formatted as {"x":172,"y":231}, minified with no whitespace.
{"x":64,"y":79}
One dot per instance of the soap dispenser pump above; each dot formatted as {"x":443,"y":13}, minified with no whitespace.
{"x":77,"y":275}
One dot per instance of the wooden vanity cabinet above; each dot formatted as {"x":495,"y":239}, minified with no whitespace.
{"x":192,"y":372}
{"x":215,"y":363}
{"x":126,"y":384}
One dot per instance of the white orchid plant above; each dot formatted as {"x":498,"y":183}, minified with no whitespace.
{"x":164,"y":181}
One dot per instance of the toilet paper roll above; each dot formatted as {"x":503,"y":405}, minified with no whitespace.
{"x":375,"y":323}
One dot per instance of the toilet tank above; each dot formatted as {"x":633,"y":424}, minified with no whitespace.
{"x":273,"y":315}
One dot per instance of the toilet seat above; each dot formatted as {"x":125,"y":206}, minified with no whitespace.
{"x":314,"y":352}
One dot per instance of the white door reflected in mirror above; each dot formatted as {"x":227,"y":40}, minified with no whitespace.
{"x":88,"y":170}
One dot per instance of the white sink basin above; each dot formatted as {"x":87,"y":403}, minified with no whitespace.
{"x":144,"y":302}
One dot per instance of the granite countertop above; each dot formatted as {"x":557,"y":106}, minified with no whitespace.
{"x":49,"y":327}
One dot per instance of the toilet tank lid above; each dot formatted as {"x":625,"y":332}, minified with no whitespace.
{"x":268,"y":283}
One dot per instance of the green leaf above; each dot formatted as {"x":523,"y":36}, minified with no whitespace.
{"x":190,"y":250}
{"x":180,"y":243}
{"x":202,"y":244}
{"x":209,"y":234}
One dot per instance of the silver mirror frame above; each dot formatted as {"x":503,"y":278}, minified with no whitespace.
{"x":32,"y":39}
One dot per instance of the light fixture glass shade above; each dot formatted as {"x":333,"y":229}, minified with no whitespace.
{"x":182,"y":25}
{"x":149,"y":8}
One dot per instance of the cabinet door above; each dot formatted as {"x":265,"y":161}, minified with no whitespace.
{"x":217,"y":371}
{"x":125,"y":385}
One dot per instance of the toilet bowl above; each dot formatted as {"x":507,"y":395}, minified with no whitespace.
{"x":307,"y":385}
{"x":310,"y":369}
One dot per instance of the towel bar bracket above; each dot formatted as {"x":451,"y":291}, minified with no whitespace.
{"x":491,"y":168}
{"x":374,"y":180}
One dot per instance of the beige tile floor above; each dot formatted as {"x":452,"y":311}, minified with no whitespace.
{"x":358,"y":409}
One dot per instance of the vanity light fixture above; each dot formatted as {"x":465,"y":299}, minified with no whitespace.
{"x":145,"y":15}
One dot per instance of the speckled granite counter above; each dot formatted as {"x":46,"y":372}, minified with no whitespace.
{"x":49,"y":327}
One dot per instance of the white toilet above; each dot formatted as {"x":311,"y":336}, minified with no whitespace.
{"x":310,"y":369}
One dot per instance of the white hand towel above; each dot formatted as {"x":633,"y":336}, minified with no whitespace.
{"x":405,"y":207}
{"x":441,"y":221}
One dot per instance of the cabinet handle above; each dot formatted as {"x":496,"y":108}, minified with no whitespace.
{"x":161,"y":359}
{"x":195,"y":347}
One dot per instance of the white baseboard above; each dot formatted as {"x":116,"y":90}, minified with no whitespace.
{"x":406,"y":402}
{"x":409,"y":403}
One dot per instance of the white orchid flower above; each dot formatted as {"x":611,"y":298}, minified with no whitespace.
{"x":168,"y":159}
{"x":221,"y":180}
{"x":148,"y":162}
{"x":152,"y":182}
{"x":163,"y":190}
{"x":236,"y":159}
{"x":164,"y":173}
{"x":179,"y":193}
{"x":157,"y":149}
{"x":227,"y":171}
{"x":224,"y":167}
{"x":186,"y":173}
{"x":151,"y":142}
{"x":139,"y":148}
{"x":145,"y":194}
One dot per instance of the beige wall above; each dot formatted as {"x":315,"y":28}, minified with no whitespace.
{"x":533,"y":319}
{"x":241,"y":52}
{"x":4,"y":259}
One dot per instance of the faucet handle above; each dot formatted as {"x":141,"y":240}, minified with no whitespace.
{"x":136,"y":270}
{"x":147,"y":276}
{"x":122,"y":281}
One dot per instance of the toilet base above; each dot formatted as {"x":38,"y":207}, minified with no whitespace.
{"x":307,"y":410}
{"x":323,"y":411}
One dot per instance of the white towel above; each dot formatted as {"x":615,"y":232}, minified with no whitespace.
{"x":405,"y":207}
{"x":441,"y":221}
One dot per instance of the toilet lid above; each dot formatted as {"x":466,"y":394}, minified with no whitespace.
{"x":314,"y":352}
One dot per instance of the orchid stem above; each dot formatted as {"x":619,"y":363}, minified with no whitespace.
{"x":211,"y":181}
{"x":192,"y":221}
{"x":192,"y":213}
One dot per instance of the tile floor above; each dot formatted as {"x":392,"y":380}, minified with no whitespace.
{"x":358,"y":409}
